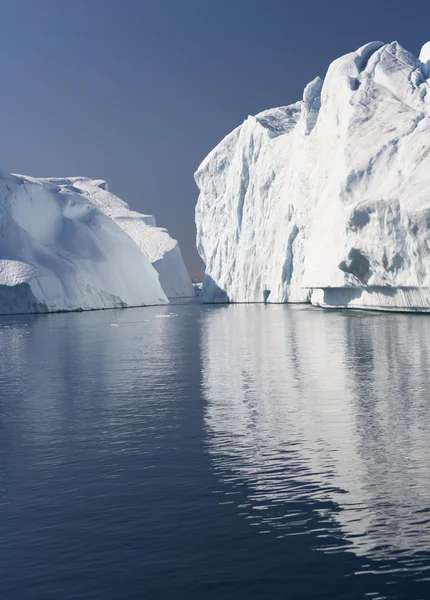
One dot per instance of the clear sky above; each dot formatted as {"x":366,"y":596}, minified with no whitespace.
{"x":138,"y":91}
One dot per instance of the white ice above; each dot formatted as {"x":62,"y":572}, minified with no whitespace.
{"x":155,"y":242}
{"x":60,"y":252}
{"x":326,"y":200}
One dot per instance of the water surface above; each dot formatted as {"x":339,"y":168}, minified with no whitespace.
{"x":193,"y":451}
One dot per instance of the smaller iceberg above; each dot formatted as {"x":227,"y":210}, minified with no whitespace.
{"x":157,"y":245}
{"x":60,"y":252}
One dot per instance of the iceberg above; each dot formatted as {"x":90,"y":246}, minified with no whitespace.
{"x":326,"y":200}
{"x":60,"y":252}
{"x":157,"y":245}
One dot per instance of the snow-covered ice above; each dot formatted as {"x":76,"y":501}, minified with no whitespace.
{"x":326,"y":200}
{"x":59,"y":251}
{"x":155,"y":242}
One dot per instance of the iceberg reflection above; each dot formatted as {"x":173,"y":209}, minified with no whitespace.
{"x":323,"y":418}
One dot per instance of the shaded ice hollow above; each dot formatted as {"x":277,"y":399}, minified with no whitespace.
{"x":63,"y":247}
{"x":326,"y":200}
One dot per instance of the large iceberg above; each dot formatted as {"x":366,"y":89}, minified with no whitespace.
{"x":326,"y":200}
{"x":59,"y":252}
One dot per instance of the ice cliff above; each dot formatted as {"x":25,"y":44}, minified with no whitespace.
{"x":61,"y":248}
{"x":326,"y":200}
{"x":155,"y":242}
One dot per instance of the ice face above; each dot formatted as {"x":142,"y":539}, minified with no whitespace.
{"x":336,"y":199}
{"x":155,"y":242}
{"x":58,"y":251}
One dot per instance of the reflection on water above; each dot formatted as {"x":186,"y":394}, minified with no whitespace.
{"x":324,"y":417}
{"x":230,"y":452}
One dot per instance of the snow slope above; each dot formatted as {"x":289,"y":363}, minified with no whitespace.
{"x":328,"y":199}
{"x":59,"y":252}
{"x":155,"y":242}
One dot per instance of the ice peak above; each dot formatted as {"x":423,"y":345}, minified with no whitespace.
{"x":365,"y":52}
{"x":312,"y":103}
{"x":312,"y":90}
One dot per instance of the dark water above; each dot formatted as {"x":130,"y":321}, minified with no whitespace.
{"x":231,"y":452}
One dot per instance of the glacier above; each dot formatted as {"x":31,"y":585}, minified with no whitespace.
{"x":62,"y":250}
{"x":326,"y":200}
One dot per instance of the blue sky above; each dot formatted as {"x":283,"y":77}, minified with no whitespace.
{"x":138,"y":91}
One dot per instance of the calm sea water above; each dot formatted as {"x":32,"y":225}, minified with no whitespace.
{"x":220,"y":452}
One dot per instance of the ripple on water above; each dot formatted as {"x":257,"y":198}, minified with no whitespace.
{"x":331,"y":411}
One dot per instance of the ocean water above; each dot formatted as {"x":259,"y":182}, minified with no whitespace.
{"x":220,"y":452}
